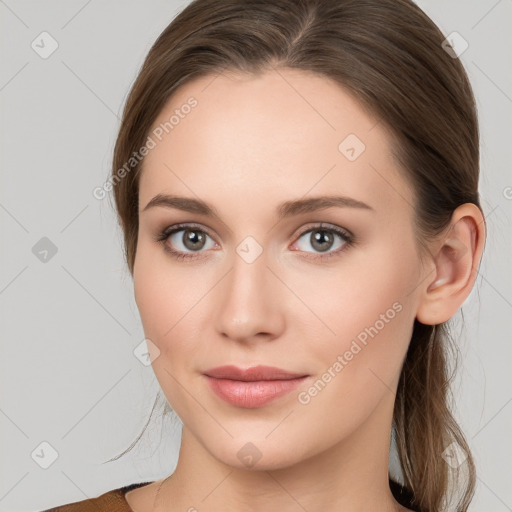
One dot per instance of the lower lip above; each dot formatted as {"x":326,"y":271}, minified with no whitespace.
{"x":252,"y":394}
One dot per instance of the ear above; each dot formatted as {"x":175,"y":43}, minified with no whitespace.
{"x":456,"y":257}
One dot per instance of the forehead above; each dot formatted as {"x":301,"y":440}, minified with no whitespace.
{"x":239,"y":138}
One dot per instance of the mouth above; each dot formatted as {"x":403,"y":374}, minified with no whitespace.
{"x":252,"y":387}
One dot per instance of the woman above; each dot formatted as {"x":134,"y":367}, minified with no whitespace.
{"x":297,"y":184}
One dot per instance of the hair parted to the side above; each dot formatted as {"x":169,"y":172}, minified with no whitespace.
{"x":388,"y":54}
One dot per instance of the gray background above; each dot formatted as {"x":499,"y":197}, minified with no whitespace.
{"x":69,"y":324}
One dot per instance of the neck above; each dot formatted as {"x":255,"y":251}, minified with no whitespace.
{"x":351,"y":476}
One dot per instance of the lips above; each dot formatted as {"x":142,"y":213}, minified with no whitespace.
{"x":252,"y":387}
{"x":256,"y":373}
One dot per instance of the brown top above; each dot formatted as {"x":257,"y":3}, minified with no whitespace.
{"x":115,"y":501}
{"x":112,"y":501}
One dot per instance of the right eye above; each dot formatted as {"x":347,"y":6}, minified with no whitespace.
{"x":183,"y":240}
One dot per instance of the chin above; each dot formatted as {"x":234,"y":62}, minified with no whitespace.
{"x":257,"y":455}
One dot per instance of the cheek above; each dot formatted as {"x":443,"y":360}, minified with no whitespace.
{"x":149,"y":293}
{"x":158,"y":293}
{"x":165,"y":297}
{"x":170,"y":299}
{"x":357,"y":364}
{"x":366,"y":311}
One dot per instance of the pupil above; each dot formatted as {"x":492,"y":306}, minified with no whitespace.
{"x":193,"y":239}
{"x":319,"y":238}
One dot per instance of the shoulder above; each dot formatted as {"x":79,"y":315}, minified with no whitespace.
{"x":111,"y":501}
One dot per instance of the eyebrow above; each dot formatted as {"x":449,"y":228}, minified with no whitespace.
{"x":286,"y":209}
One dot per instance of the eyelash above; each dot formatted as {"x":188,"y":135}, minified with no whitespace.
{"x":163,"y":236}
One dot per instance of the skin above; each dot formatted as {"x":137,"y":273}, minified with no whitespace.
{"x":251,"y":143}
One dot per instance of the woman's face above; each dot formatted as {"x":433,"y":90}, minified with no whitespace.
{"x":276,"y":276}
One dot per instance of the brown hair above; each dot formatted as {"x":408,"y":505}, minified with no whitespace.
{"x":389,"y":55}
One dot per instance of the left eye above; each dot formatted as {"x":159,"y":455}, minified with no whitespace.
{"x":323,"y":240}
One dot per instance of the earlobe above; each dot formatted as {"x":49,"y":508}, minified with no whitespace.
{"x":456,"y":259}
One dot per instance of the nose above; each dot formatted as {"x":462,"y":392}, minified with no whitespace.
{"x":250,"y":302}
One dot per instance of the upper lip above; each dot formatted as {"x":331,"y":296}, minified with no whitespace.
{"x":251,"y":374}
